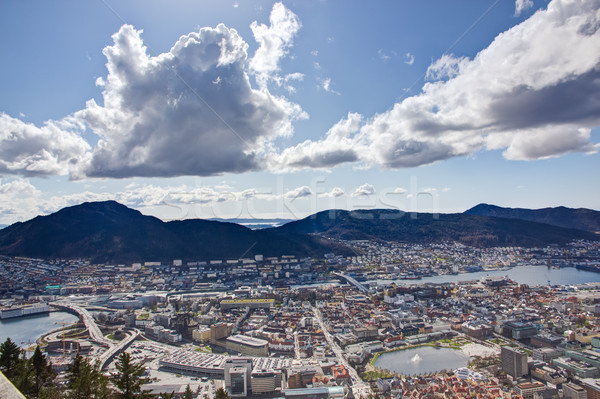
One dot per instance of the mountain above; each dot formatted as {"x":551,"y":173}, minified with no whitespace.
{"x":111,"y":232}
{"x":581,"y":218}
{"x":393,"y":225}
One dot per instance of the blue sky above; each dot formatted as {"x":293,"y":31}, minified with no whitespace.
{"x":281,"y":109}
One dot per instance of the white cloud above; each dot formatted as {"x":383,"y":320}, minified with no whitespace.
{"x":522,"y":5}
{"x":317,"y":65}
{"x":365,"y":189}
{"x":28,"y":150}
{"x":383,"y":55}
{"x":534,"y":93}
{"x":314,"y":53}
{"x":446,"y":67}
{"x":334,"y":193}
{"x":299,"y":192}
{"x":409,"y":59}
{"x":400,"y":190}
{"x":274,"y":42}
{"x":325,"y":84}
{"x":190,"y":111}
{"x":335,"y":149}
{"x":18,"y":187}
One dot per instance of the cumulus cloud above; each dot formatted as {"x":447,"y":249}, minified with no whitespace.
{"x":409,"y":59}
{"x":334,"y":193}
{"x":522,"y":5}
{"x":299,"y":192}
{"x":365,"y":189}
{"x":51,"y":149}
{"x":18,"y":187}
{"x":534,"y":93}
{"x":335,"y":149}
{"x":274,"y":42}
{"x":190,"y":111}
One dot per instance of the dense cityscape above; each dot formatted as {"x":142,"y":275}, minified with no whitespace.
{"x":336,"y":327}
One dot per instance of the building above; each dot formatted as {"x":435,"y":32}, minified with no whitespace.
{"x":247,"y":345}
{"x":265,"y":382}
{"x":592,"y":388}
{"x":518,"y":330}
{"x":315,"y":393}
{"x":237,"y":376}
{"x":247,"y":303}
{"x":193,"y":363}
{"x":576,"y":367}
{"x":546,"y":339}
{"x":201,"y":334}
{"x":220,"y":331}
{"x":574,"y":391}
{"x":514,"y":362}
{"x":236,"y":382}
{"x":546,"y":354}
{"x":527,"y":389}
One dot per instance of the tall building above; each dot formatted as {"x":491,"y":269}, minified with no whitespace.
{"x":236,"y":382}
{"x":237,"y":373}
{"x":514,"y":362}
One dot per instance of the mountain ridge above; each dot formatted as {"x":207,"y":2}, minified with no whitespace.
{"x":575,"y":218}
{"x":111,"y":232}
{"x":393,"y":225}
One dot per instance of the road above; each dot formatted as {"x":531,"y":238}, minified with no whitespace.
{"x":360,"y":389}
{"x":95,"y":333}
{"x":113,"y":348}
{"x":110,"y":354}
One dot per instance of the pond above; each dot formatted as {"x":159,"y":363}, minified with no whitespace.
{"x":422,"y":360}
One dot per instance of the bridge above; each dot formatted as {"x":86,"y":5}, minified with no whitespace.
{"x":110,"y":354}
{"x":352,"y":281}
{"x":113,"y":348}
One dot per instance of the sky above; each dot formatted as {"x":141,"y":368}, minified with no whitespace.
{"x":201,"y":109}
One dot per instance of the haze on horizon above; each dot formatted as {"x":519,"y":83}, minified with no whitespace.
{"x":282,"y":109}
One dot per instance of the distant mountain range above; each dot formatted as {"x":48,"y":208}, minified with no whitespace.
{"x":111,"y":232}
{"x":581,"y":218}
{"x":393,"y":225}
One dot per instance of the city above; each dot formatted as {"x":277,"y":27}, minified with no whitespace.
{"x":331,"y":327}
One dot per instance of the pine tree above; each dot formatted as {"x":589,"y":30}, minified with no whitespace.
{"x":188,"y":393}
{"x":221,"y":394}
{"x":43,"y":375}
{"x":128,"y":379}
{"x":86,"y":380}
{"x":9,"y":358}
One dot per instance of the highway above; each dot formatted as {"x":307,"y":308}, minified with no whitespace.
{"x":110,"y":354}
{"x":113,"y":348}
{"x":360,"y":389}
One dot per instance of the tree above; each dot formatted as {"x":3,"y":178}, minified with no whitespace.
{"x":164,"y":395}
{"x":43,"y":375}
{"x":128,"y":378}
{"x":9,"y":358}
{"x":188,"y":394}
{"x":221,"y":394}
{"x":86,"y":380}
